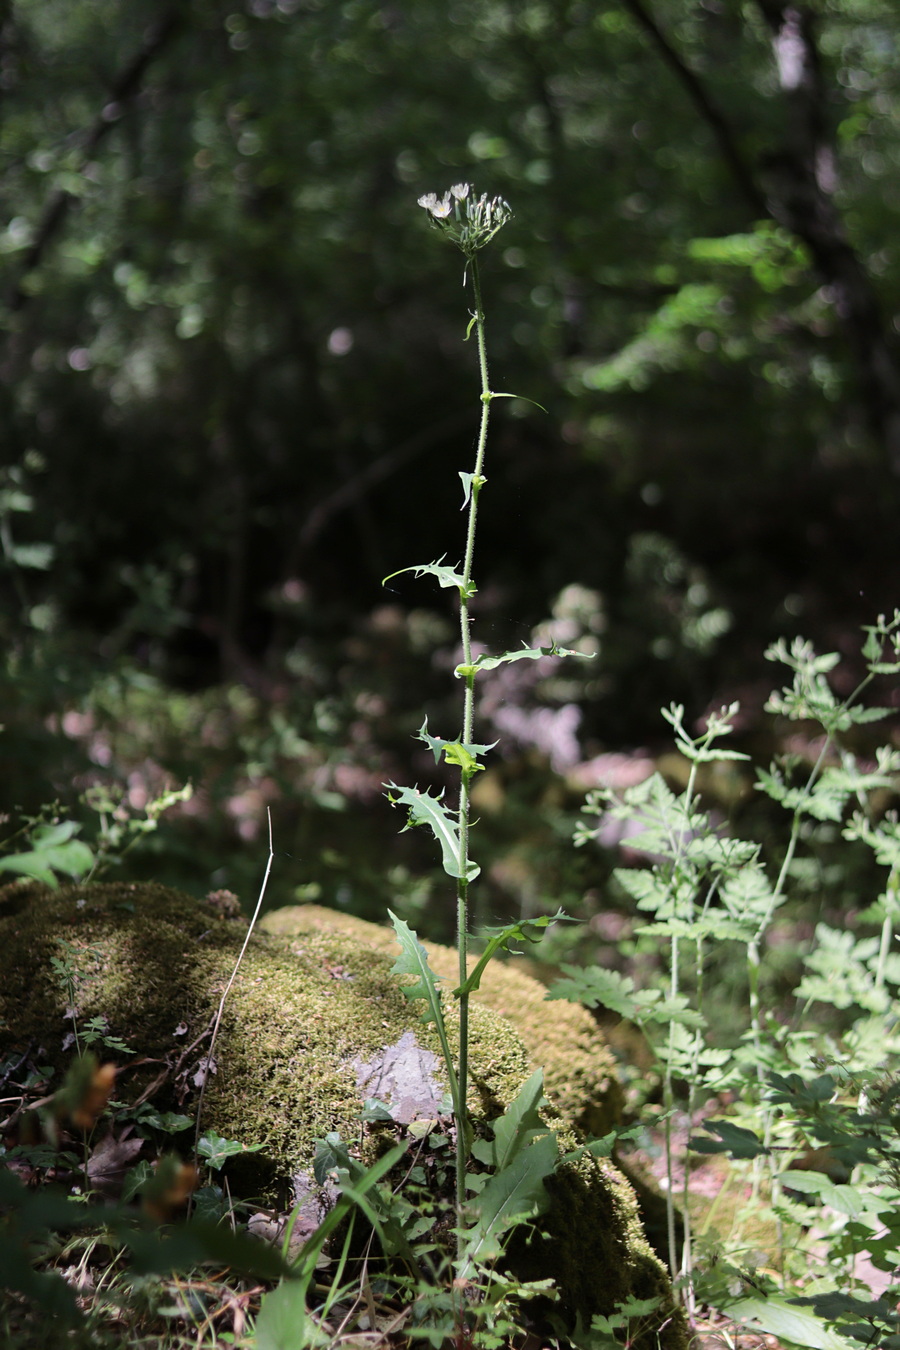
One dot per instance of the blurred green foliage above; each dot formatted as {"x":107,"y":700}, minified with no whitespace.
{"x":232,"y":377}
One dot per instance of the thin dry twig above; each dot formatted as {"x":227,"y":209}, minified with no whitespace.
{"x":227,"y":990}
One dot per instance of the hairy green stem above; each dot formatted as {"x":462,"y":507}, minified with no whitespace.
{"x":462,"y":887}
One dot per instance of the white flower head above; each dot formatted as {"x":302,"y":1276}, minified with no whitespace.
{"x":470,"y":221}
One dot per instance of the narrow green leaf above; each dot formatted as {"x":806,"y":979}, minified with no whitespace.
{"x":446,"y":577}
{"x":413,"y":960}
{"x":532,"y":401}
{"x":524,"y":930}
{"x":284,"y":1323}
{"x":531,"y":653}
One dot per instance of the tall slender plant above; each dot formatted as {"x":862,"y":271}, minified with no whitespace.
{"x":470,"y":223}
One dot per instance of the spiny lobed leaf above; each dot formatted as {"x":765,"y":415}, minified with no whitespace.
{"x":427,"y":810}
{"x":413,"y":960}
{"x":463,"y":754}
{"x":529,"y":653}
{"x":446,"y":576}
{"x":524,"y":930}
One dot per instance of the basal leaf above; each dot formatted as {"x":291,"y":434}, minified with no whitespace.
{"x":510,"y":1197}
{"x":517,"y":1127}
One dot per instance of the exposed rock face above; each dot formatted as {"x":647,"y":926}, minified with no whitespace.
{"x":313,"y":1025}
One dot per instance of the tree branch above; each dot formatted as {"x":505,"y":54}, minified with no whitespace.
{"x":123,"y":90}
{"x":801,"y":178}
{"x":794,"y":185}
{"x":741,"y":171}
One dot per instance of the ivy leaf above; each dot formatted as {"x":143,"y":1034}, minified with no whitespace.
{"x":446,"y":576}
{"x":524,"y":930}
{"x":216,"y":1150}
{"x":427,"y":810}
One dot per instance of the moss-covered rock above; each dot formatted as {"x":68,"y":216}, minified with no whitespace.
{"x":312,"y":1020}
{"x":561,"y":1038}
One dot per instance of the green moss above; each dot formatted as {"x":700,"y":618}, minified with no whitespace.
{"x":561,"y":1038}
{"x":155,"y":963}
{"x":306,"y":1003}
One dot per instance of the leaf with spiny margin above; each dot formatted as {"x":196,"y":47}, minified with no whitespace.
{"x":413,"y":960}
{"x":462,"y":753}
{"x":524,"y":930}
{"x":446,"y":576}
{"x":427,"y":810}
{"x":510,"y":1197}
{"x":531,"y":653}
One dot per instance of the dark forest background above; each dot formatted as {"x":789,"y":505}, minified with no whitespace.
{"x":235,"y":394}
